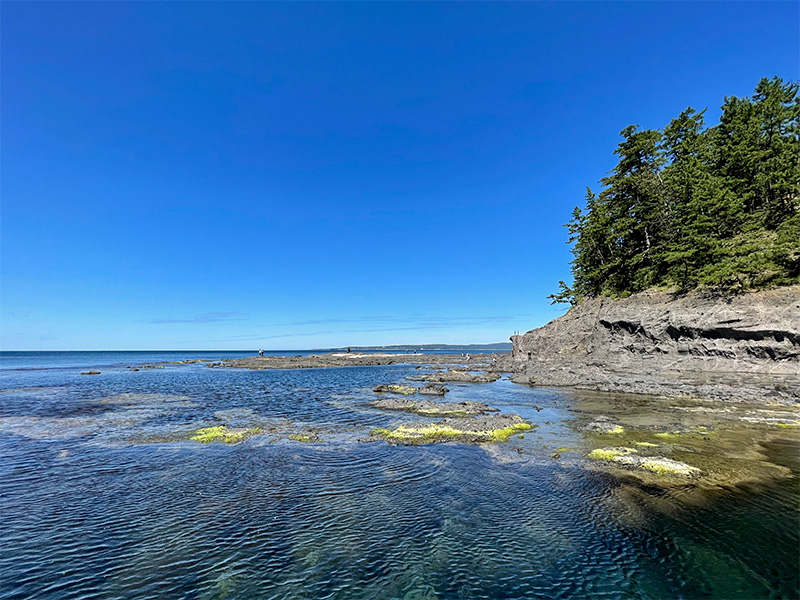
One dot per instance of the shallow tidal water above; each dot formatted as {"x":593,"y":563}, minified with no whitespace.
{"x":102,"y":494}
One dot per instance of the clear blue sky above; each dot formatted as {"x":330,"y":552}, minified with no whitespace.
{"x":241,"y":175}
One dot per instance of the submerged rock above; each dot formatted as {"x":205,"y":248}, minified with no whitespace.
{"x":430,"y":408}
{"x":603,"y":424}
{"x":221,"y":433}
{"x":472,"y":430}
{"x":462,"y":376}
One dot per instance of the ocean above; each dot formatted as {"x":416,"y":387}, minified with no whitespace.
{"x":104,"y":495}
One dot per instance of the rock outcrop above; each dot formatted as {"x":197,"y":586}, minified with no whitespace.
{"x":744,"y":347}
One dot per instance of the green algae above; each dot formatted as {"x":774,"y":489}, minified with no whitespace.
{"x":440,"y":432}
{"x":559,"y":451}
{"x":628,"y":457}
{"x":221,"y":433}
{"x":664,"y":466}
{"x":610,"y":453}
{"x":304,"y":437}
{"x":616,"y":430}
{"x":405,"y":390}
{"x":645,"y":444}
{"x":502,"y":435}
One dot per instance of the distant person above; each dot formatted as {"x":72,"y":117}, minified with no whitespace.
{"x":348,"y":349}
{"x":260,"y":352}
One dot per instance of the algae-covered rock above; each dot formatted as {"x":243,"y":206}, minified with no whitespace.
{"x":307,"y":437}
{"x":434,"y":409}
{"x":665,"y":466}
{"x":610,"y":453}
{"x":406,"y":390}
{"x":474,"y":430}
{"x":629,"y":457}
{"x":90,"y":373}
{"x":221,"y":433}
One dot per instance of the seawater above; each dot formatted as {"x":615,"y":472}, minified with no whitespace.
{"x":102,"y":496}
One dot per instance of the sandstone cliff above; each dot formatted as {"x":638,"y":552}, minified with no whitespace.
{"x":742,"y":348}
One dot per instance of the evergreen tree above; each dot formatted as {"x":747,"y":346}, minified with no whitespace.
{"x":717,"y":208}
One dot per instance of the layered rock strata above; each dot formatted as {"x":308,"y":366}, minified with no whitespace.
{"x":741,"y":348}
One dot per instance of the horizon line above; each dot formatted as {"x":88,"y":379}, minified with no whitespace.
{"x":255,"y":349}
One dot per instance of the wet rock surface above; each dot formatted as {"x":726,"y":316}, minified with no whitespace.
{"x":461,"y":376}
{"x":494,"y":362}
{"x":744,"y":348}
{"x":432,"y":389}
{"x":405,"y":390}
{"x":430,"y":408}
{"x":664,"y":442}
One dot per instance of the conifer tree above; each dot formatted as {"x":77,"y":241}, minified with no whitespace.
{"x":687,"y":207}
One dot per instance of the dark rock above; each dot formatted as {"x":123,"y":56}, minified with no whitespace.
{"x":462,"y":376}
{"x":432,"y":389}
{"x":740,"y":348}
{"x":430,"y":408}
{"x":405,"y":390}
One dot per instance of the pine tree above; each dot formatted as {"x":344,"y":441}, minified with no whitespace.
{"x":687,"y":206}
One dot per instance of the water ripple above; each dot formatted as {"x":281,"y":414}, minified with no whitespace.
{"x":90,"y":513}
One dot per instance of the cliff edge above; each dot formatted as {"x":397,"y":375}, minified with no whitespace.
{"x":739,"y":348}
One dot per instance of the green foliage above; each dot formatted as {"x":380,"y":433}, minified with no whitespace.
{"x":694,"y":207}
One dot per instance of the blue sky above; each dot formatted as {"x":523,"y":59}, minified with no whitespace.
{"x":241,"y":175}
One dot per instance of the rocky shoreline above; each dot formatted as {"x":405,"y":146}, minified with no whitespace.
{"x":454,"y":363}
{"x":743,"y":348}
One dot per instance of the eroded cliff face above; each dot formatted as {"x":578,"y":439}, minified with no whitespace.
{"x":656,"y":340}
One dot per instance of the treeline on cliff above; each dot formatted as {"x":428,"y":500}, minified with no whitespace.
{"x":692,"y":206}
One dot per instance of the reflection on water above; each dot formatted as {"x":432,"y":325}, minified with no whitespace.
{"x":103,"y":496}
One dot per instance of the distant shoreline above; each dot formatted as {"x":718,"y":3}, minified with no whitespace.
{"x":496,"y":362}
